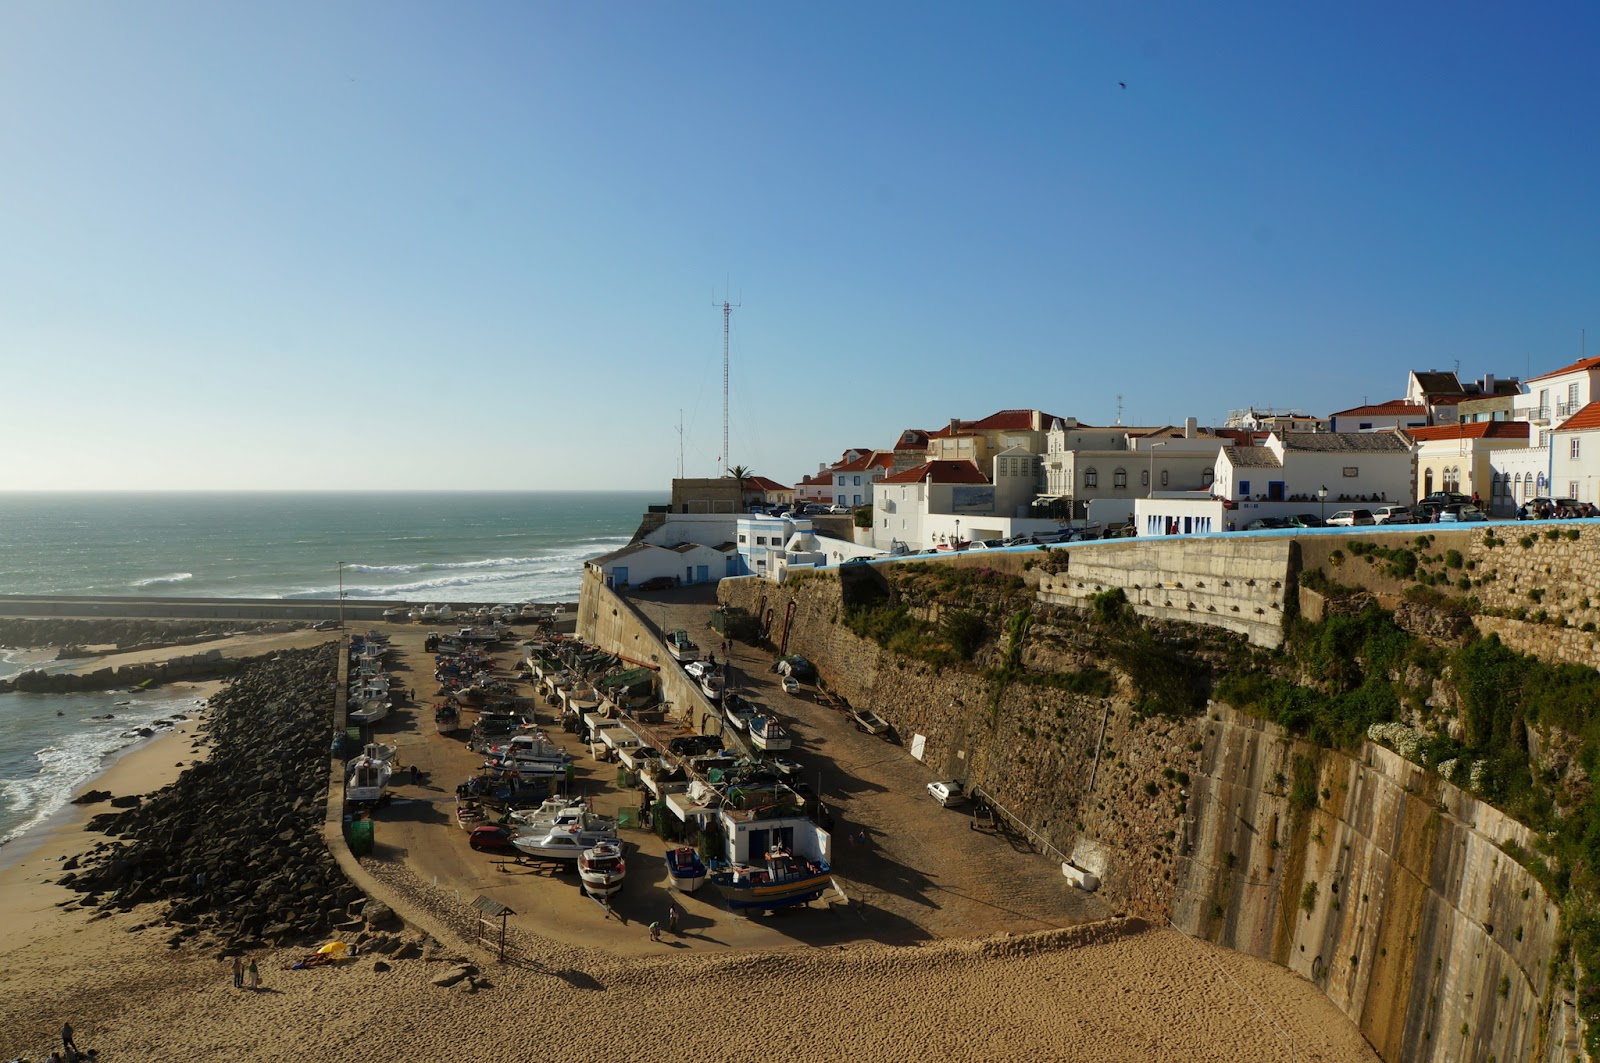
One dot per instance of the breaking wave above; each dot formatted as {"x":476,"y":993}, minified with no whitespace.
{"x":157,"y":581}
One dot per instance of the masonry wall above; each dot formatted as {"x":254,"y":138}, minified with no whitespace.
{"x":1421,"y":928}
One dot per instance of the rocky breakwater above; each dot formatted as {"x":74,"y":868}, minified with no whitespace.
{"x":231,"y":854}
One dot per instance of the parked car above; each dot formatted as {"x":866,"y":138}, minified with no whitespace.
{"x":1266,"y":524}
{"x":840,"y":507}
{"x":1445,"y":498}
{"x":657,"y":583}
{"x":994,"y":544}
{"x":491,"y":838}
{"x":1305,"y":520}
{"x":1393,"y":515}
{"x":1461,"y":513}
{"x":1349,"y":518}
{"x":325,"y":625}
{"x":947,"y":793}
{"x":869,"y":721}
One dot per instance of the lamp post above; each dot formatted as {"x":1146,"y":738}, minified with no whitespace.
{"x":958,"y":533}
{"x":1151,"y":492}
{"x":1322,"y":497}
{"x":341,"y":594}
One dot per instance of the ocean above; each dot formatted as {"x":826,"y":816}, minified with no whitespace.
{"x":425,"y":547}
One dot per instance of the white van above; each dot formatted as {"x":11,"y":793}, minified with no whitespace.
{"x":947,"y":793}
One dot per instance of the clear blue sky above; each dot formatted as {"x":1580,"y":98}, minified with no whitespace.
{"x":413,"y":245}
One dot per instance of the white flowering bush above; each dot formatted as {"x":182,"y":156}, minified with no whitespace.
{"x":1398,"y":737}
{"x":1447,"y":769}
{"x":1478,"y":775}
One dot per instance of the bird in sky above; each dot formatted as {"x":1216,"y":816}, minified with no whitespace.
{"x":1122,"y":84}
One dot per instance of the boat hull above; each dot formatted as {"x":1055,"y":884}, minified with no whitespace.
{"x":685,"y":871}
{"x":770,"y":896}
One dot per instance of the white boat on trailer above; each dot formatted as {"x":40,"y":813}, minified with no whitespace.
{"x":602,"y":869}
{"x":566,"y":842}
{"x":367,"y":776}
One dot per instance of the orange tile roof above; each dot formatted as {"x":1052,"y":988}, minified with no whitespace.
{"x":1582,"y":363}
{"x":876,"y":459}
{"x":1392,"y":408}
{"x":999,"y":421}
{"x":1471,"y":430}
{"x":1588,"y":417}
{"x":940,"y":472}
{"x":765,"y":484}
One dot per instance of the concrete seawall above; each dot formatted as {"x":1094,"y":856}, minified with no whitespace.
{"x":192,"y":608}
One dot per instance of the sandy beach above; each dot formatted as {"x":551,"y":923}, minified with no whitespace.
{"x":1107,"y":990}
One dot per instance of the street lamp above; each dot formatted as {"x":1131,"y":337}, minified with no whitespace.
{"x":341,"y":594}
{"x":958,"y":533}
{"x":1322,"y":497}
{"x":1151,"y":492}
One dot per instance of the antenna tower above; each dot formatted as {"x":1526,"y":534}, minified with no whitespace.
{"x":680,"y":444}
{"x":727,"y":312}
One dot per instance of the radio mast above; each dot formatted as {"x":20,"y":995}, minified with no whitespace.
{"x":727,"y":313}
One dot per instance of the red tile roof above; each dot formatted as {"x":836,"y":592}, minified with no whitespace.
{"x":1392,"y":408}
{"x":876,"y":459}
{"x":1471,"y":430}
{"x":912,"y":439}
{"x":1588,"y":417}
{"x":940,"y":472}
{"x":1582,"y":363}
{"x":765,"y":484}
{"x":1000,"y":421}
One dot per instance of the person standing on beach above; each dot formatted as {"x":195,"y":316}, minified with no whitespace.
{"x":68,"y":1045}
{"x":672,"y":917}
{"x":238,"y":972}
{"x":255,"y":975}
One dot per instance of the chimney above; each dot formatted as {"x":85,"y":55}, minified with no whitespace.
{"x":1189,"y":426}
{"x":1488,"y":383}
{"x":955,"y":425}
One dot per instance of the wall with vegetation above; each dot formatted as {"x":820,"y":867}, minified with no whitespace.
{"x":1435,"y":921}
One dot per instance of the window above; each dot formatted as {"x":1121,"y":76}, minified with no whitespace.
{"x":1572,"y":396}
{"x":1244,"y":488}
{"x":1206,"y":477}
{"x":761,"y":540}
{"x":1119,"y":479}
{"x":1572,"y":449}
{"x":1364,"y":426}
{"x":1091,"y":478}
{"x":857,"y":482}
{"x":741,"y":537}
{"x":1163,"y":477}
{"x":1352,"y":471}
{"x":1144,"y":478}
{"x":1572,"y":489}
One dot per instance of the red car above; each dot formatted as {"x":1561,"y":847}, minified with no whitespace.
{"x":491,"y":838}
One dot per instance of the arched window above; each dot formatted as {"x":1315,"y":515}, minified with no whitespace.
{"x":1163,"y":477}
{"x":1427,"y":482}
{"x":1207,"y":476}
{"x":1091,"y":478}
{"x":1144,"y":477}
{"x":1119,"y":479}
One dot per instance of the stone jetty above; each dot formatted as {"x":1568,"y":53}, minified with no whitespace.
{"x":232,"y":852}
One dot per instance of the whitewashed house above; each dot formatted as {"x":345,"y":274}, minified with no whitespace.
{"x":1548,"y":402}
{"x":1284,"y":476}
{"x":1575,"y":456}
{"x":1461,"y":458}
{"x":685,"y":562}
{"x":1380,"y":417}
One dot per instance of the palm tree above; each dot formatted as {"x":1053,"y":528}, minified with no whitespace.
{"x":742,"y":474}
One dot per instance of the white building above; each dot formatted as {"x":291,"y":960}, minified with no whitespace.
{"x":685,"y":563}
{"x":1462,"y":457}
{"x":1380,"y":417}
{"x":769,"y":546}
{"x":1548,"y":402}
{"x":1575,"y":456}
{"x":1082,"y":463}
{"x":1289,"y":471}
{"x":853,"y":479}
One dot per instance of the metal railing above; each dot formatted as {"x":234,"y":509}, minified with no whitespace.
{"x":1035,"y":839}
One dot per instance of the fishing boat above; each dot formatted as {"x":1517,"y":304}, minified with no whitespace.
{"x":602,"y":869}
{"x":566,"y":842}
{"x":766,"y":734}
{"x":685,"y":869}
{"x":469,"y":814}
{"x":430,"y":612}
{"x":783,"y":881}
{"x":367,"y":776}
{"x":554,"y":810}
{"x":711,"y":683}
{"x":368,"y":711}
{"x":447,"y":718}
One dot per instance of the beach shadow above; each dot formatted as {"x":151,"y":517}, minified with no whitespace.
{"x":580,"y":979}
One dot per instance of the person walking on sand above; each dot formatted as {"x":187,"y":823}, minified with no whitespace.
{"x":238,"y":972}
{"x":672,"y":917}
{"x":68,"y":1045}
{"x":255,"y":976}
{"x":655,"y":931}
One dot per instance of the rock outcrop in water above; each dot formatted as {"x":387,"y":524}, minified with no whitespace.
{"x":233,"y":850}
